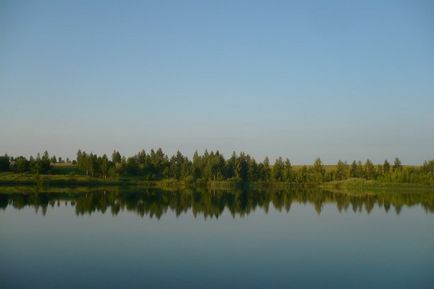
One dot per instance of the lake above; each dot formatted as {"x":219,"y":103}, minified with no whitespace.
{"x":144,"y":238}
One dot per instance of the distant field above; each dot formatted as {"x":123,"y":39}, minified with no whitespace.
{"x":330,"y":168}
{"x":64,"y":169}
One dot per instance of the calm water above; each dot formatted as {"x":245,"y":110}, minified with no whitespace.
{"x":154,"y":239}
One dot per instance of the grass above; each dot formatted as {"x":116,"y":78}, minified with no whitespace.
{"x":10,"y":178}
{"x":59,"y":180}
{"x":356,"y":185}
{"x":64,"y":169}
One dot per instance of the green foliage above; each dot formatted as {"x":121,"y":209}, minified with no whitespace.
{"x":319,"y":171}
{"x":342,"y":171}
{"x":116,"y":157}
{"x":38,"y":165}
{"x":213,"y":167}
{"x":370,"y":172}
{"x":4,"y":163}
{"x":288,"y":172}
{"x":21,"y":164}
{"x":386,"y":167}
{"x":278,"y":170}
{"x":397,"y":166}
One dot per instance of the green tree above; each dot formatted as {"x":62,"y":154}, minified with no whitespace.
{"x":428,"y":167}
{"x":197,"y":166}
{"x":21,"y":164}
{"x":132,"y":166}
{"x":397,"y":166}
{"x":278,"y":170}
{"x":242,"y":167}
{"x":386,"y":167}
{"x":370,"y":172}
{"x":104,"y":166}
{"x":319,"y":170}
{"x":40,"y":165}
{"x":116,"y":157}
{"x":45,"y":162}
{"x":341,"y":170}
{"x":4,"y":163}
{"x":354,"y":172}
{"x":289,"y":174}
{"x":253,"y":169}
{"x":266,"y":169}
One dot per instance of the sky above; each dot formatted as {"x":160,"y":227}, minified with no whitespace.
{"x":299,"y":79}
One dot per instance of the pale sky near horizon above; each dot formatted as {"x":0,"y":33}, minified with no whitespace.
{"x":299,"y":79}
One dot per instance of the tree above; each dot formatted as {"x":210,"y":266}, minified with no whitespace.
{"x":242,"y":167}
{"x":267,"y":169}
{"x":341,"y":170}
{"x":217,"y":163}
{"x":132,"y":166}
{"x":4,"y":163}
{"x":45,"y":162}
{"x":370,"y":172}
{"x":397,"y":166}
{"x":197,"y":166}
{"x":104,"y":166}
{"x":277,"y":171}
{"x":303,"y":175}
{"x":288,"y":176}
{"x":253,"y":169}
{"x":21,"y":164}
{"x":319,"y":170}
{"x":159,"y":164}
{"x":386,"y":167}
{"x":428,"y":167}
{"x":354,"y":172}
{"x":179,"y":166}
{"x":116,"y":157}
{"x":40,"y":165}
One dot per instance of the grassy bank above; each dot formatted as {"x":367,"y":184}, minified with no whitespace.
{"x":373,"y":186}
{"x":30,"y":182}
{"x":24,"y":180}
{"x":9,"y":179}
{"x":61,"y":182}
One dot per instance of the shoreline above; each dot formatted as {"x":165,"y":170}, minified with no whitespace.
{"x":71,"y":182}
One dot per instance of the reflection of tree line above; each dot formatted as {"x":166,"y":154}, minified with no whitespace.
{"x":155,"y":203}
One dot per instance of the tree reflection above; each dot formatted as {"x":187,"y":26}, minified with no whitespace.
{"x":211,"y":204}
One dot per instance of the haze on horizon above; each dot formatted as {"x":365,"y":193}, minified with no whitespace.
{"x":299,"y":79}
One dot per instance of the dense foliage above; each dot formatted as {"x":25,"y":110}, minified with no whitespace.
{"x":38,"y":165}
{"x":212,"y":166}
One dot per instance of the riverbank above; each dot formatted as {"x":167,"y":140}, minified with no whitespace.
{"x":374,"y":186}
{"x":30,"y":182}
{"x":15,"y":182}
{"x":25,"y":179}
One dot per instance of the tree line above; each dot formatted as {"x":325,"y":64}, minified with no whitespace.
{"x":38,"y":165}
{"x":213,"y":166}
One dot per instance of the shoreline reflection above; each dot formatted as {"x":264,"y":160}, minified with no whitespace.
{"x":155,"y":203}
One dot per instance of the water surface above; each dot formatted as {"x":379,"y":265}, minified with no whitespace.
{"x":157,"y":239}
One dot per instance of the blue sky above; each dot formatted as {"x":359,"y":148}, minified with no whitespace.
{"x":301,"y":79}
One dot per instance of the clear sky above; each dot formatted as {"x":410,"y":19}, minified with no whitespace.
{"x":301,"y":79}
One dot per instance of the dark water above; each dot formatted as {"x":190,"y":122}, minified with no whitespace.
{"x":155,"y":239}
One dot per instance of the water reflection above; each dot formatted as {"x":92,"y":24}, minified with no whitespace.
{"x":211,"y":204}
